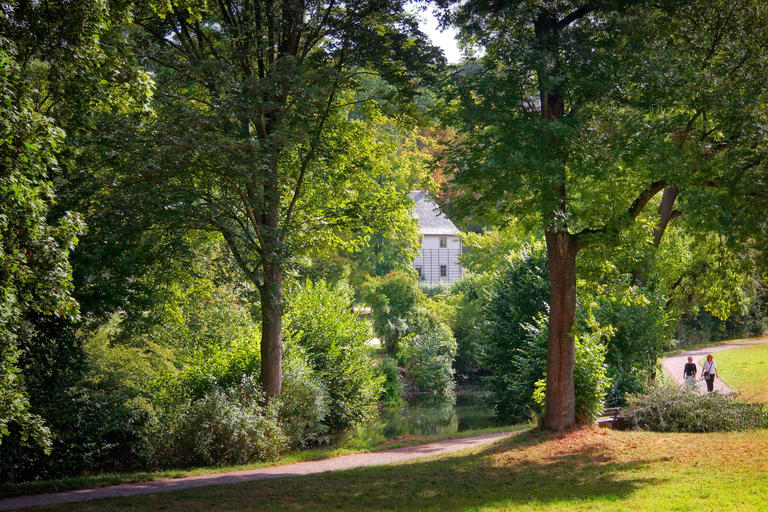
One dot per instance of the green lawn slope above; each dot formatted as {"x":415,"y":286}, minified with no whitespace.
{"x":589,"y":469}
{"x":745,"y":370}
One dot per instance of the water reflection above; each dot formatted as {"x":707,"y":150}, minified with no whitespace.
{"x":429,"y":415}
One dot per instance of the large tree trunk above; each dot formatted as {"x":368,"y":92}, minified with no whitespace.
{"x":272,"y":289}
{"x":271,"y":331}
{"x":560,"y":404}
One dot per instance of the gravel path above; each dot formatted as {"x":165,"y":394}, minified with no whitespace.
{"x":233,"y":477}
{"x":673,"y":365}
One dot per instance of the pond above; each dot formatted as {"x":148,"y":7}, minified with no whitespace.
{"x":427,"y":415}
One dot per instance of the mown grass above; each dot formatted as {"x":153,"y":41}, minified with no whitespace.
{"x":590,"y":469}
{"x":343,"y":448}
{"x":745,"y":370}
{"x":694,"y":346}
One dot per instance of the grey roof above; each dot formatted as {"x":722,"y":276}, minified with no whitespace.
{"x":431,"y":220}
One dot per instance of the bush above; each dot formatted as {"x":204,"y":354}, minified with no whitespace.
{"x":516,"y":349}
{"x":433,"y":289}
{"x":589,"y":375}
{"x":683,"y":409}
{"x":395,"y":300}
{"x":428,"y":360}
{"x":227,"y":426}
{"x":320,"y":323}
{"x":469,"y":300}
{"x":637,"y":333}
{"x":303,"y":404}
{"x":201,"y":373}
{"x":392,"y":389}
{"x":90,"y":395}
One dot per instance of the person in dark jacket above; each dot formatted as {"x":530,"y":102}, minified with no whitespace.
{"x":689,"y":372}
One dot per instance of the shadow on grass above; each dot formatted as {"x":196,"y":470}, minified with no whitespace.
{"x":507,"y":473}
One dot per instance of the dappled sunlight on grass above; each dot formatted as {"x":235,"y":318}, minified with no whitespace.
{"x":586,"y":469}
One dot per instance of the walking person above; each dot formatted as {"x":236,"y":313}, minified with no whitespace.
{"x":709,"y":372}
{"x":689,"y":372}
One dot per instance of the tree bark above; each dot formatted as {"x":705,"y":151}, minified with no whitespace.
{"x":560,"y":404}
{"x":271,"y":330}
{"x":666,"y":211}
{"x":560,"y":400}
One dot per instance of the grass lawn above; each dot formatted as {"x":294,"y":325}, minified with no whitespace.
{"x":348,"y":447}
{"x":694,"y":346}
{"x":745,"y":370}
{"x":590,"y":469}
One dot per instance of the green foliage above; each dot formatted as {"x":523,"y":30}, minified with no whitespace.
{"x":226,"y":426}
{"x":304,"y":403}
{"x":487,"y":251}
{"x":590,"y":378}
{"x":94,"y":398}
{"x":392,"y":389}
{"x":683,"y":409}
{"x":701,"y":326}
{"x":35,"y":275}
{"x":394,"y":299}
{"x":321,"y":324}
{"x":468,"y":299}
{"x":516,"y":349}
{"x":428,"y":360}
{"x":431,"y":290}
{"x":637,"y":331}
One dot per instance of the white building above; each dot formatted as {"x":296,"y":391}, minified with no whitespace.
{"x":438,"y":258}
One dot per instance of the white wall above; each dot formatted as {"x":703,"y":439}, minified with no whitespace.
{"x":432,"y":257}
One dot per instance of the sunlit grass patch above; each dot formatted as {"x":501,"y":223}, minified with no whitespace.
{"x":745,"y":370}
{"x":588,"y":469}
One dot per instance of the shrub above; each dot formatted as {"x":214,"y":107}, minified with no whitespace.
{"x":226,"y":426}
{"x":516,"y":349}
{"x":428,"y":360}
{"x":303,"y":403}
{"x":90,"y":395}
{"x":433,"y":289}
{"x":469,"y":300}
{"x":201,"y":373}
{"x":320,"y":322}
{"x":392,"y":389}
{"x":589,"y":375}
{"x":394,"y":299}
{"x":637,"y":332}
{"x":683,"y":409}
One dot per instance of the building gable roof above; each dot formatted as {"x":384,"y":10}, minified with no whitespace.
{"x":431,"y":220}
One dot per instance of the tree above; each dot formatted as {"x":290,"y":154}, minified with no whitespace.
{"x":34,"y":272}
{"x":251,"y":135}
{"x":59,"y":63}
{"x":582,"y":112}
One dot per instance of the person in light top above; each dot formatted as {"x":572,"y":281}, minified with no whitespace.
{"x":709,"y":372}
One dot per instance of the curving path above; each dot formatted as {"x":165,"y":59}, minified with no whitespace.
{"x":673,"y":365}
{"x":301,"y":468}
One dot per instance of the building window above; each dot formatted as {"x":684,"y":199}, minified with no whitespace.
{"x":443,"y":242}
{"x":418,"y":271}
{"x":443,"y":270}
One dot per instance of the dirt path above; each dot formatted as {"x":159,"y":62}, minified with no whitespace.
{"x":300,"y":468}
{"x":673,"y":365}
